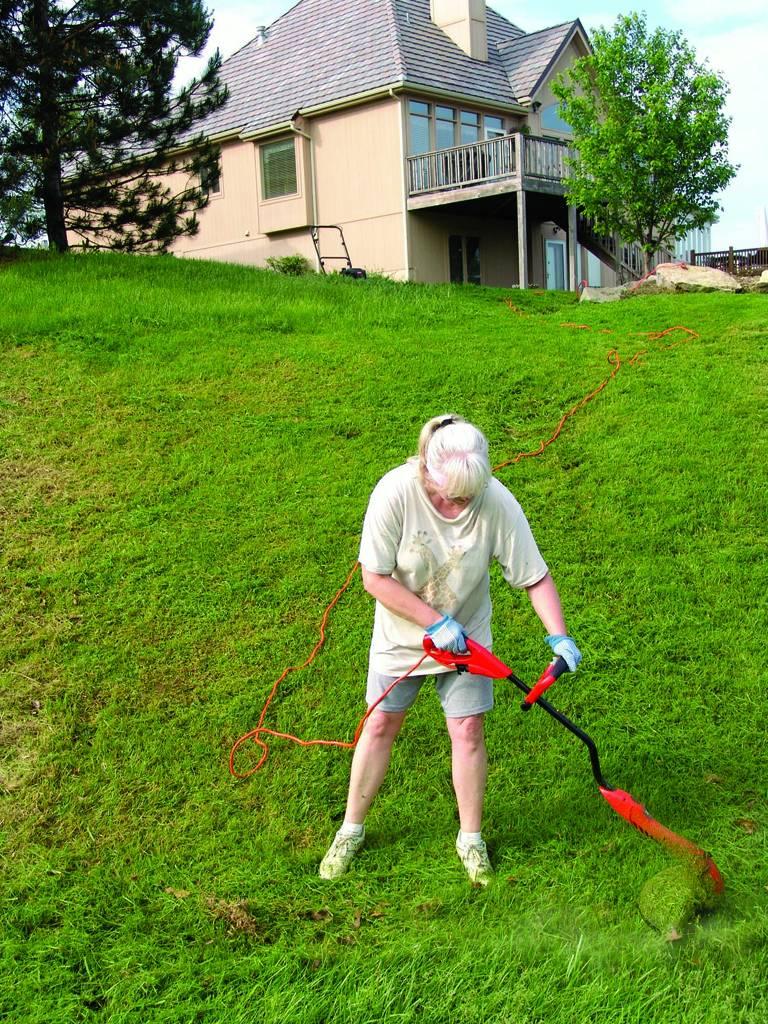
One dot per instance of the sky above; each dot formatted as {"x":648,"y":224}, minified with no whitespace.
{"x":731,"y":36}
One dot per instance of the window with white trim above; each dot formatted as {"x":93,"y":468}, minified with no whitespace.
{"x":418,"y":127}
{"x":278,"y":169}
{"x":494,"y":127}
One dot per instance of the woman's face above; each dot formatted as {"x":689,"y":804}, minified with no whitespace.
{"x":447,"y":505}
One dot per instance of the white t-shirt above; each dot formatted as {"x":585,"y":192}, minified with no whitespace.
{"x":444,"y":561}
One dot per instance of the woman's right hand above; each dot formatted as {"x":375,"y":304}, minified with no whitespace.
{"x":448,"y":635}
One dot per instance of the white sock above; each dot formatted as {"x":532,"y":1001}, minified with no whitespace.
{"x":351,"y":828}
{"x":466,"y":839}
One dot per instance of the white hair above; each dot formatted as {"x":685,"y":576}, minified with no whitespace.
{"x":453,"y":455}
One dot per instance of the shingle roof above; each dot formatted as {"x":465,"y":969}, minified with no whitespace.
{"x":528,"y":58}
{"x":322,"y":51}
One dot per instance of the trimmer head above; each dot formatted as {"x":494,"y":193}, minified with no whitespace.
{"x":699,"y":861}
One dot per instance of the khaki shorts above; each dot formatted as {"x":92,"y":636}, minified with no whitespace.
{"x":460,"y":693}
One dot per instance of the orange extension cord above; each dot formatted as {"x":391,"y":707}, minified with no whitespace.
{"x":614,"y":359}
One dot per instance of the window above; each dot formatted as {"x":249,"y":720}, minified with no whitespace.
{"x":456,"y":258}
{"x":470,"y":127}
{"x":210,"y":180}
{"x":494,"y":127}
{"x":278,"y":169}
{"x":551,"y":120}
{"x":472,"y":254}
{"x":464,"y":259}
{"x":418,"y":127}
{"x":434,"y":126}
{"x":445,"y":127}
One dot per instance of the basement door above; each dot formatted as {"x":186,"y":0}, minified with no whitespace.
{"x":554,"y":251}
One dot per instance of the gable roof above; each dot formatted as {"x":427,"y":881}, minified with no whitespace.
{"x":528,"y":59}
{"x":325,"y":51}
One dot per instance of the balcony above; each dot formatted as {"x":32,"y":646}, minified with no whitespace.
{"x":510,"y":163}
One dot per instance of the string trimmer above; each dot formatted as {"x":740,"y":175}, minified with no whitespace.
{"x":701,"y":875}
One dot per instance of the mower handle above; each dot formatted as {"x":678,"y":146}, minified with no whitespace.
{"x":479,"y":661}
{"x":552,"y":672}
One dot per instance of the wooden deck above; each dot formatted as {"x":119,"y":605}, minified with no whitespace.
{"x":510,"y":163}
{"x":516,"y":163}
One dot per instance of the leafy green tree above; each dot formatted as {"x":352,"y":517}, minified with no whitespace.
{"x":89,"y":120}
{"x":650,"y":132}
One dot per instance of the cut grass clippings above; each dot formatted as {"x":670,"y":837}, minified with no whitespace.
{"x":186,"y":453}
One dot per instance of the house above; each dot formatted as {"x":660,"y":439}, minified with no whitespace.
{"x":695,"y":240}
{"x":425,"y":129}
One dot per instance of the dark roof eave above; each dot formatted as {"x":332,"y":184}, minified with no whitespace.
{"x":393,"y":89}
{"x":513,"y":105}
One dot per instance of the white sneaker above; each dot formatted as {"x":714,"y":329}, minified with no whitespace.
{"x":340,"y":854}
{"x":475,"y":859}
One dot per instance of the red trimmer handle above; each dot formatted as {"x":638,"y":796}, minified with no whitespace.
{"x":548,"y":676}
{"x":477,"y":659}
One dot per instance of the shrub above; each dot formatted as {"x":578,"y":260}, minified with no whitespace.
{"x":294,"y":266}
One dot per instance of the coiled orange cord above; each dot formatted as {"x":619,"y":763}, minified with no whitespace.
{"x":255,"y":734}
{"x":260,"y":730}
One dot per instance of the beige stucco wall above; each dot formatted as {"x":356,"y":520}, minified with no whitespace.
{"x":429,"y":234}
{"x":234,"y":226}
{"x":359,"y":173}
{"x":358,"y":184}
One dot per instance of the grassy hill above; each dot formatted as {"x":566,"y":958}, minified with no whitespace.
{"x":186,"y":452}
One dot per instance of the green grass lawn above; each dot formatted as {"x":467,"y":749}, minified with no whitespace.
{"x":186,"y":452}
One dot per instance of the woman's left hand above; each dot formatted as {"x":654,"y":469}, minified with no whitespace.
{"x":565,"y":647}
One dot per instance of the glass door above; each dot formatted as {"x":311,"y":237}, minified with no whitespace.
{"x":555,"y":262}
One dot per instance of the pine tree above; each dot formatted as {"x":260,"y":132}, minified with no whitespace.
{"x":89,"y":120}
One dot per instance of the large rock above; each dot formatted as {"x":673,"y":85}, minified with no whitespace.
{"x":683,"y":278}
{"x":756,"y":284}
{"x":603,"y":294}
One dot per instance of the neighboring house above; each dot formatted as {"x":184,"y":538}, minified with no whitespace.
{"x":426,"y":130}
{"x":696,"y":240}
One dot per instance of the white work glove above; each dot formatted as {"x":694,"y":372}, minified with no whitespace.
{"x":448,"y":635}
{"x":564,"y":647}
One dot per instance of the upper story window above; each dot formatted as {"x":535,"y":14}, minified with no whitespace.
{"x":278,"y":169}
{"x":434,"y":126}
{"x":210,"y":180}
{"x":419,"y":127}
{"x":551,"y":120}
{"x":494,"y":127}
{"x":445,"y":127}
{"x":470,"y":127}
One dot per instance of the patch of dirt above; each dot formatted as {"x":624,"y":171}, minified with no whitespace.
{"x":32,"y":480}
{"x":237,"y":916}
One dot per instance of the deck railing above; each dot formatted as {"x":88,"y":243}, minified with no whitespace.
{"x":545,"y":158}
{"x":491,"y":160}
{"x":458,"y":166}
{"x":733,"y":261}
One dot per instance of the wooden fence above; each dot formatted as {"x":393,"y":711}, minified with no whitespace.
{"x":733,"y":261}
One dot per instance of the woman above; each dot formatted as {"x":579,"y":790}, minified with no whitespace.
{"x":432,"y":528}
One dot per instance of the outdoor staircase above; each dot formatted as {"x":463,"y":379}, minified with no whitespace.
{"x":605,"y":247}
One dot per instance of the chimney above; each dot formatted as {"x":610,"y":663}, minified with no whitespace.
{"x":464,"y":22}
